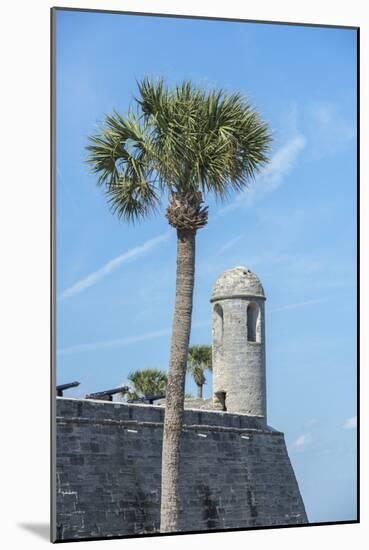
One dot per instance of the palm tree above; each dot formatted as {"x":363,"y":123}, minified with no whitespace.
{"x":147,"y":383}
{"x":180,"y":143}
{"x":199,"y":359}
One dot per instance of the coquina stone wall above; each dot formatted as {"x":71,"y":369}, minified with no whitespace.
{"x":234,"y":473}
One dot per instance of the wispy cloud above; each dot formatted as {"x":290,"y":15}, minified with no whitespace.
{"x":272,"y":177}
{"x":112,"y":265}
{"x":298,"y":304}
{"x":350,"y":423}
{"x":302,"y":442}
{"x":329,"y":127}
{"x":282,"y":163}
{"x":229,"y":244}
{"x":311,"y":422}
{"x":117,"y":343}
{"x":122,"y":342}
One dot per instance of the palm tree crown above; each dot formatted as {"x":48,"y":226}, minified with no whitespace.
{"x":147,"y":383}
{"x":184,"y":142}
{"x":199,"y":360}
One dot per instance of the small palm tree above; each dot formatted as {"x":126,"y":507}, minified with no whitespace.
{"x":199,"y":360}
{"x":181,"y":143}
{"x":147,"y":383}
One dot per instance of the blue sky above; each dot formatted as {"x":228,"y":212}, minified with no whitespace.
{"x":294,"y":227}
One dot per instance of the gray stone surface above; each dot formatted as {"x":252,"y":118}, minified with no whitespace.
{"x":194,"y":403}
{"x":238,"y":318}
{"x":235,"y":471}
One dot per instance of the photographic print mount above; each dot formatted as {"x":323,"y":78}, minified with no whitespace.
{"x":106,"y":455}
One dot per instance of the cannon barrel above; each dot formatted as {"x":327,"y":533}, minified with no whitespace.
{"x":108,"y":393}
{"x":61,"y":387}
{"x":149,"y":399}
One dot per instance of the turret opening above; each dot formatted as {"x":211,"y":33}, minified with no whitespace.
{"x":253,"y":322}
{"x":218,"y":325}
{"x":220,"y":400}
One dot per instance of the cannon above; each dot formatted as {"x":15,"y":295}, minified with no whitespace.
{"x":148,"y":400}
{"x":107,"y":394}
{"x":62,"y":387}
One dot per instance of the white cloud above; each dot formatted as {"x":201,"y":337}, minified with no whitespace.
{"x":116,"y":343}
{"x":350,"y":423}
{"x":302,"y":442}
{"x":311,"y":422}
{"x":282,"y":163}
{"x":229,"y":244}
{"x":122,"y":342}
{"x":112,"y":265}
{"x":329,"y":128}
{"x":273,"y":175}
{"x":298,"y":304}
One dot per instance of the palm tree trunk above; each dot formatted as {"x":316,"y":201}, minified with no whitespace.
{"x":199,"y":391}
{"x":169,"y":518}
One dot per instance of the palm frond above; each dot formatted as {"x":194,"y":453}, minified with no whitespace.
{"x":132,"y":198}
{"x":148,"y":382}
{"x":121,"y":154}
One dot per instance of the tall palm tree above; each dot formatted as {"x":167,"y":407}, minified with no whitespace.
{"x":147,"y":383}
{"x":180,"y":144}
{"x":199,"y":360}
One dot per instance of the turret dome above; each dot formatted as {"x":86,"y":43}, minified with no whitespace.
{"x":237,"y":282}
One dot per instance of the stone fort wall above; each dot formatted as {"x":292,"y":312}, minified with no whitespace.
{"x":234,"y":472}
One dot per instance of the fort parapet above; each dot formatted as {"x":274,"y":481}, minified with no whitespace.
{"x":235,"y":471}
